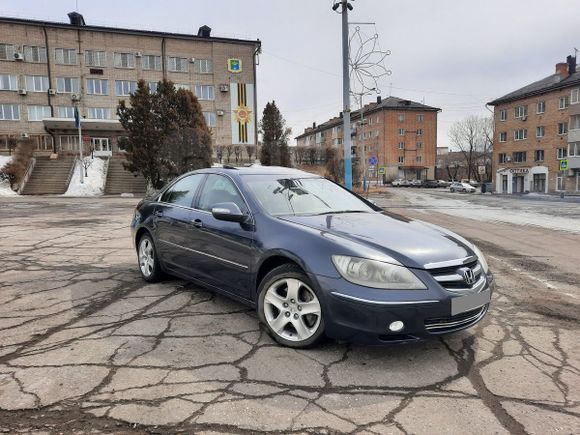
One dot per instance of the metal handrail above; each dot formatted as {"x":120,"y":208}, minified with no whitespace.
{"x":71,"y":172}
{"x":27,"y":175}
{"x":106,"y":173}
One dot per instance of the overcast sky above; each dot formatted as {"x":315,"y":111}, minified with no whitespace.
{"x":453,"y":54}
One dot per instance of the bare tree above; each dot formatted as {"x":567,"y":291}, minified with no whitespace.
{"x":229,"y":151}
{"x":300,"y":154}
{"x":470,"y":137}
{"x":250,"y":151}
{"x":238,"y":153}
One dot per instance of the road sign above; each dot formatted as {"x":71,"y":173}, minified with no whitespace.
{"x":481,"y":170}
{"x":373,"y":160}
{"x":381,"y":170}
{"x":564,"y":165}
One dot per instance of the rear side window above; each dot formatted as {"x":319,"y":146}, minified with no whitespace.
{"x":217,"y":189}
{"x":182,"y":192}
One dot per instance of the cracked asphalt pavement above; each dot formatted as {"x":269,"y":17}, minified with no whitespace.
{"x":87,"y":346}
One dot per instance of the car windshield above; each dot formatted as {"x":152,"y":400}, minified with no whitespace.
{"x":280,"y":195}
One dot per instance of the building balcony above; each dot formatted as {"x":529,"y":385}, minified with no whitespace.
{"x":574,"y":162}
{"x":574,"y":109}
{"x":574,"y":135}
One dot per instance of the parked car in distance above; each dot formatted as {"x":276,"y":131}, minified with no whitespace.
{"x":471,"y":182}
{"x":443,"y":183}
{"x":430,"y":184}
{"x":416,"y":183}
{"x":400,"y":182}
{"x":311,"y":257}
{"x":462,"y":187}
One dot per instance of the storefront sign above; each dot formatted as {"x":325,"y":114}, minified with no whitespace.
{"x":519,"y":170}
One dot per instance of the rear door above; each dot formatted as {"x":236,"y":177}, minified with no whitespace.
{"x":226,"y":247}
{"x":174,"y":223}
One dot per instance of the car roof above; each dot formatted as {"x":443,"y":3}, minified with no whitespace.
{"x":257,"y":170}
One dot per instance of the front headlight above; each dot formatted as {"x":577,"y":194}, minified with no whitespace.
{"x":481,"y":258}
{"x":376,"y":274}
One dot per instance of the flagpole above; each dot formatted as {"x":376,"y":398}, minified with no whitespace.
{"x":78,"y":125}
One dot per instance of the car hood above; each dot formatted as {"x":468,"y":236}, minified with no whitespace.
{"x":412,"y":242}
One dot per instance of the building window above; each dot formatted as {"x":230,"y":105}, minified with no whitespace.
{"x":151,"y":62}
{"x":418,"y":159}
{"x":98,"y":113}
{"x":401,"y":132}
{"x":9,"y":112}
{"x":420,"y":118}
{"x":204,"y":92}
{"x":561,"y":153}
{"x":124,"y":88}
{"x":210,"y":118}
{"x":419,"y":145}
{"x":401,"y":117}
{"x":152,"y":86}
{"x":560,"y":181}
{"x":203,"y":66}
{"x":177,"y":64}
{"x":376,"y":133}
{"x":35,"y":54}
{"x":419,"y":132}
{"x":401,"y":159}
{"x":65,"y":56}
{"x":95,"y":58}
{"x":540,"y":131}
{"x":574,"y":122}
{"x":574,"y":149}
{"x":184,"y":86}
{"x":562,"y":128}
{"x":7,"y":52}
{"x":520,"y":111}
{"x":564,"y":102}
{"x":401,"y":145}
{"x":38,"y":113}
{"x":539,"y":155}
{"x":503,"y":115}
{"x":521,"y":134}
{"x":519,"y":156}
{"x":124,"y":60}
{"x":575,"y":96}
{"x":37,"y":83}
{"x":541,"y":107}
{"x":503,"y":136}
{"x":66,"y":112}
{"x":8,"y":82}
{"x":68,"y":85}
{"x":97,"y":87}
{"x":69,"y":142}
{"x":502,"y":158}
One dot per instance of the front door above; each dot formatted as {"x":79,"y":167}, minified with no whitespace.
{"x":102,"y":146}
{"x":227,"y":247}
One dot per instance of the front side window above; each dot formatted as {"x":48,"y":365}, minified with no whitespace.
{"x":95,"y":58}
{"x":38,"y":113}
{"x":218,"y":189}
{"x":65,"y":56}
{"x":124,"y":60}
{"x":8,"y":82}
{"x":125,"y":87}
{"x":37,"y":83}
{"x":35,"y":54}
{"x":9,"y":112}
{"x":183,"y":191}
{"x":204,"y":92}
{"x":68,"y":85}
{"x":97,"y":87}
{"x":151,"y":62}
{"x":177,"y":64}
{"x":302,"y":196}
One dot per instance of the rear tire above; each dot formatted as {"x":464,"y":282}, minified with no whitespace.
{"x":149,"y":265}
{"x":290,"y":308}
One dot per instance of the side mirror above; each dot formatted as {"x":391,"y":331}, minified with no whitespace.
{"x":227,"y":211}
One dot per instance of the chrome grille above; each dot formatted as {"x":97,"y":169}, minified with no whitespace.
{"x":453,"y":277}
{"x":441,"y":325}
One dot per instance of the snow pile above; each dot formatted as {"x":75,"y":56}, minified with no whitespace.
{"x":94,"y":182}
{"x":5,"y":185}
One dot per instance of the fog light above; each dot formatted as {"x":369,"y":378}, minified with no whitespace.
{"x":396,"y":326}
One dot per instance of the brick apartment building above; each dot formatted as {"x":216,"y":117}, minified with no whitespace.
{"x":536,"y":145}
{"x":46,"y":68}
{"x":400,"y":134}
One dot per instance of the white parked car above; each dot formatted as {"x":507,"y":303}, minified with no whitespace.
{"x":462,"y":187}
{"x":399,"y":182}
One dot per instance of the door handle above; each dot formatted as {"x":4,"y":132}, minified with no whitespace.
{"x":197,"y":223}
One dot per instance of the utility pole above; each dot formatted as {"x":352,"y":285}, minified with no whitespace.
{"x":346,"y":139}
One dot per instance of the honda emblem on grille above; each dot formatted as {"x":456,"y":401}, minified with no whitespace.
{"x":468,"y":275}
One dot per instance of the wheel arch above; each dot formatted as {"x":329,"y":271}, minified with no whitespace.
{"x":140,"y":233}
{"x":273,"y":261}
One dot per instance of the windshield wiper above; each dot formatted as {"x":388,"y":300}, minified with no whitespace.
{"x":340,"y":212}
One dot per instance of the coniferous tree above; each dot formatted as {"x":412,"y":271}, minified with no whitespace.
{"x":275,"y":135}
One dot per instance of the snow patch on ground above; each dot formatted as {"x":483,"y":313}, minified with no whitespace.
{"x":5,"y":189}
{"x":94,"y":182}
{"x":480,"y":212}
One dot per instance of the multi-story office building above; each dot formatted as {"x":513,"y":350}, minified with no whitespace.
{"x":47,"y":68}
{"x":536,"y":145}
{"x":401,"y":135}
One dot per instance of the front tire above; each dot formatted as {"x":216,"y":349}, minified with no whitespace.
{"x":290,"y":307}
{"x":149,"y":265}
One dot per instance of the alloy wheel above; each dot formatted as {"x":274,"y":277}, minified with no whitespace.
{"x":146,"y":257}
{"x":292,"y":309}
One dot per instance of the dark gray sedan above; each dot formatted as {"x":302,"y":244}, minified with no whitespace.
{"x":313,"y":258}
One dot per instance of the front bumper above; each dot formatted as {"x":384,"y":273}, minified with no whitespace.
{"x":362,"y":315}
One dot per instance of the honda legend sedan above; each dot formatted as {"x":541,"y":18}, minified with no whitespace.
{"x":313,"y":258}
